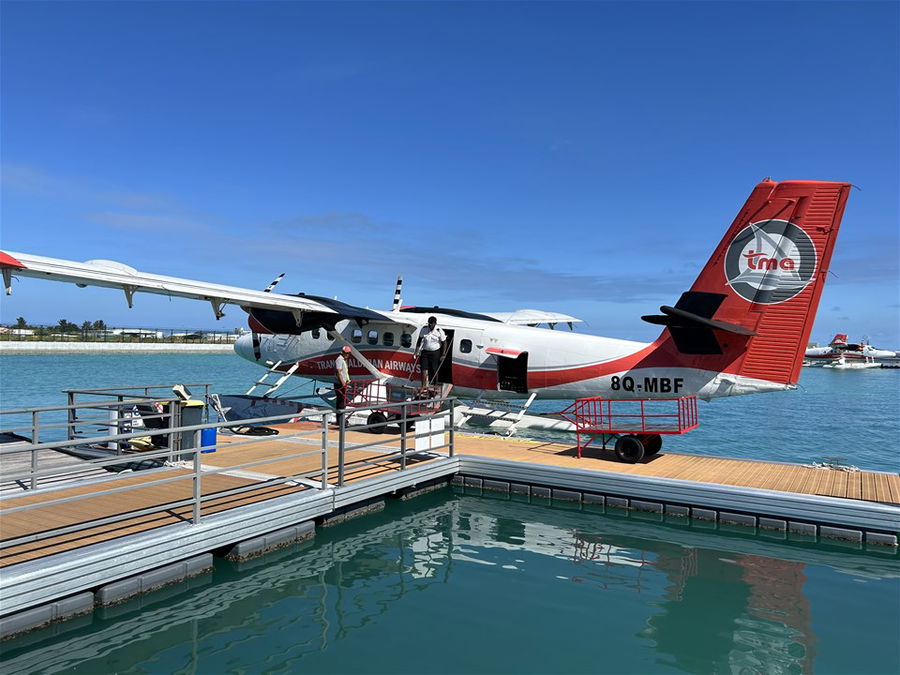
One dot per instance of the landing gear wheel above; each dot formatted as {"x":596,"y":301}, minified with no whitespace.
{"x":652,"y":445}
{"x":377,"y":418}
{"x":629,"y":449}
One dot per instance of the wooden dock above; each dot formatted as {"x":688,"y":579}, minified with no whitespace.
{"x":863,"y":485}
{"x":366,"y":464}
{"x":859,"y":506}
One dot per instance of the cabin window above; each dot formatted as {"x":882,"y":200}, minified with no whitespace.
{"x":406,"y":340}
{"x":465,"y":346}
{"x":316,"y":334}
{"x":388,"y":339}
{"x":372,"y":337}
{"x":356,"y":338}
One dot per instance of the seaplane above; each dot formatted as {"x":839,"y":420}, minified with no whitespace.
{"x":741,"y":328}
{"x":842,"y":354}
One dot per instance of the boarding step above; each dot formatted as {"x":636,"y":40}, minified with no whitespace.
{"x":265,"y":380}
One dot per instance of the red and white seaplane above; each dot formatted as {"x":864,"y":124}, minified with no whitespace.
{"x":841,"y":353}
{"x":741,"y":328}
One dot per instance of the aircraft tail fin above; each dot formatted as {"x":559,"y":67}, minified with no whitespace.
{"x":751,"y":310}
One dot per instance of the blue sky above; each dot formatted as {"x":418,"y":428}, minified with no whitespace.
{"x":579,"y":157}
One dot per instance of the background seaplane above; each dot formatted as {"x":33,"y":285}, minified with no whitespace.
{"x":740,"y":329}
{"x":842,"y":354}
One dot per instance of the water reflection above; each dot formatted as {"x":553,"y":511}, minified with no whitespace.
{"x":701,"y":601}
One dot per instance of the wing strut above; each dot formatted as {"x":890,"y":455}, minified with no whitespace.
{"x":368,"y":365}
{"x":217,"y":307}
{"x":129,"y":294}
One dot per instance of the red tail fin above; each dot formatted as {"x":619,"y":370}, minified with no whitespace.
{"x":751,"y":310}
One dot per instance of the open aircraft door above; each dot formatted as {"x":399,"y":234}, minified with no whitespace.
{"x":512,"y":369}
{"x":445,"y":372}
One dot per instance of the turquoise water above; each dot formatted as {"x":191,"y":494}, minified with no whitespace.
{"x":453,"y":583}
{"x":834,"y":413}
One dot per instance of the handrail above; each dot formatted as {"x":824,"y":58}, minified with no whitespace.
{"x":103,"y":390}
{"x":150,"y":432}
{"x":162,"y":453}
{"x":190,"y":458}
{"x":96,"y":404}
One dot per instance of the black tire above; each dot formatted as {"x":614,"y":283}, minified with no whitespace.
{"x":652,"y":445}
{"x":629,"y":449}
{"x":377,"y":418}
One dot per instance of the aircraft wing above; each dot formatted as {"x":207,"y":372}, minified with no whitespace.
{"x":532,"y":316}
{"x":291,"y":313}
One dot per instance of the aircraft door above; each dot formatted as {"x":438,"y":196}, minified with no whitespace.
{"x":468,"y":368}
{"x":512,"y":373}
{"x":445,"y":372}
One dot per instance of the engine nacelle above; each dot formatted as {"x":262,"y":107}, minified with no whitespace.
{"x":275,"y":321}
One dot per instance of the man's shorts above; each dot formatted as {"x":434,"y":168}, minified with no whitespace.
{"x":431,"y":361}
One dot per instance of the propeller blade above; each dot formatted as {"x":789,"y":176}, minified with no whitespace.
{"x":268,"y":289}
{"x":256,"y":351}
{"x":397,"y":299}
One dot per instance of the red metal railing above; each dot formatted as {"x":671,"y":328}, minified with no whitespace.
{"x":364,"y":393}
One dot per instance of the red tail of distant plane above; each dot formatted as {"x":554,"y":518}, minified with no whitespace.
{"x":751,"y":310}
{"x":839,"y":339}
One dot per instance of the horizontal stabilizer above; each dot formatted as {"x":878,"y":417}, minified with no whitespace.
{"x":691,"y":324}
{"x":674,"y":317}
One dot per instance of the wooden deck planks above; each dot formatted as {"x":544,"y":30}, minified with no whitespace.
{"x":371,"y":462}
{"x":744,"y":473}
{"x":359,"y":465}
{"x":40,"y":519}
{"x":58,"y":544}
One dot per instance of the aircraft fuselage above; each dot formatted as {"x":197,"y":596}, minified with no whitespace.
{"x":552,"y":364}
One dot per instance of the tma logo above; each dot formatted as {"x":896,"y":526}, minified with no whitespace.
{"x":770,"y":261}
{"x":757,"y":260}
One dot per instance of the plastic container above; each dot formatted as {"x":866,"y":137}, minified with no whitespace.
{"x":208,"y":440}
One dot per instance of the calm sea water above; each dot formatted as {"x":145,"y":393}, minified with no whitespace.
{"x":854,"y":415}
{"x":456,"y":583}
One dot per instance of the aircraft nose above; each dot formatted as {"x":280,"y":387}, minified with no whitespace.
{"x":243,"y":347}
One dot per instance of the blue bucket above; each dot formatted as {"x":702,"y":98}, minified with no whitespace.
{"x":208,"y":440}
